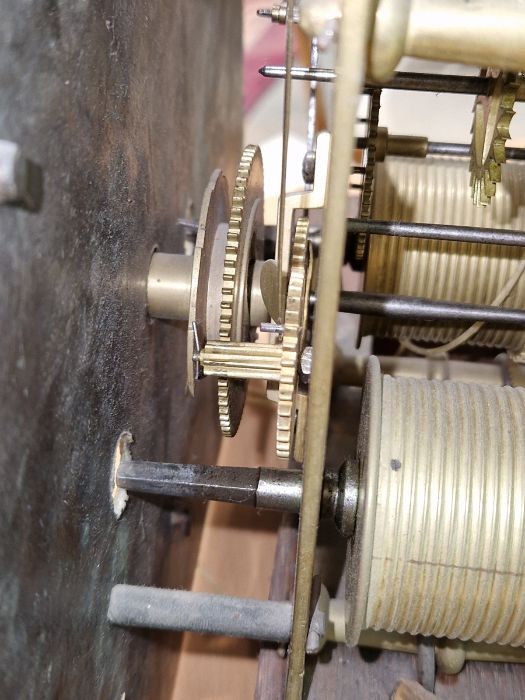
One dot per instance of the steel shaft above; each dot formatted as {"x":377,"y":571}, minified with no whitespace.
{"x":259,"y":487}
{"x":419,"y":309}
{"x":462,"y":149}
{"x":420,"y":82}
{"x":443,"y":148}
{"x":437,"y":232}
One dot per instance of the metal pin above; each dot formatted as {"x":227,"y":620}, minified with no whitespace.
{"x":186,"y":229}
{"x":321,"y":75}
{"x":277,"y":13}
{"x":196,"y":351}
{"x":309,"y":158}
{"x":188,"y":224}
{"x":268,"y":327}
{"x":425,"y":82}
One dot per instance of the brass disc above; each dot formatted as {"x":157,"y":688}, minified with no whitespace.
{"x":214,"y":211}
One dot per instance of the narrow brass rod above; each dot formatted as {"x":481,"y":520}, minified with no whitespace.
{"x":353,"y":39}
{"x":284,"y":159}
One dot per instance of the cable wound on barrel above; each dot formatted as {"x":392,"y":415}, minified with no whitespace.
{"x":437,"y":191}
{"x":448,"y":558}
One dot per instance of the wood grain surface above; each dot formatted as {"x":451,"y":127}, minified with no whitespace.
{"x":126,"y":107}
{"x":235,"y":557}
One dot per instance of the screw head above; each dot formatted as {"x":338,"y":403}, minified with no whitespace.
{"x":306,"y":363}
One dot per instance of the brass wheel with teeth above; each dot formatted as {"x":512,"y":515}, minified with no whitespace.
{"x":490,"y":131}
{"x":246,"y":221}
{"x":295,"y":323}
{"x":214,"y":214}
{"x":234,"y":361}
{"x":367,"y":195}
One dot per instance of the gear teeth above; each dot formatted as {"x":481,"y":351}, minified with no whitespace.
{"x":485,"y":163}
{"x":230,"y":392}
{"x":294,"y":327}
{"x":227,"y":420}
{"x":226,"y":387}
{"x":367,"y":194}
{"x":232,"y":241}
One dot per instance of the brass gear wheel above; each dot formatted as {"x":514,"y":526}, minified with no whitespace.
{"x":361,"y":240}
{"x":214,"y":212}
{"x":234,"y":361}
{"x":490,"y":131}
{"x":295,"y":321}
{"x":246,"y":220}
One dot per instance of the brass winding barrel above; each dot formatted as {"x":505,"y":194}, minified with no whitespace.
{"x":437,"y":190}
{"x":441,"y":518}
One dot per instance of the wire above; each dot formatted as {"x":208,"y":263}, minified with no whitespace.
{"x":473,"y":329}
{"x":284,"y":157}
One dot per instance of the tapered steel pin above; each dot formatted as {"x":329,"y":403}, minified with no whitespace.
{"x":422,"y":82}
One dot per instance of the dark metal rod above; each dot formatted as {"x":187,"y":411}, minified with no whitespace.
{"x":233,"y":485}
{"x":319,"y":75}
{"x":448,"y":149}
{"x":437,"y":232}
{"x":421,"y":82}
{"x":429,"y":82}
{"x":438,"y":148}
{"x":205,"y":613}
{"x":260,"y":487}
{"x":419,"y":309}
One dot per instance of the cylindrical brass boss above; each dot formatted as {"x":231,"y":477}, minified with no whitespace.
{"x":437,"y":191}
{"x":475,"y":33}
{"x":169,"y":286}
{"x":441,"y":518}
